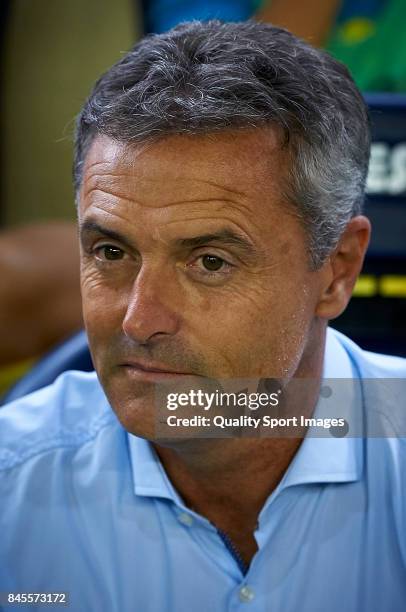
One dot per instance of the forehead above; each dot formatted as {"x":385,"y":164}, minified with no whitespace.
{"x":241,"y":163}
{"x":182,"y":188}
{"x":187,"y":186}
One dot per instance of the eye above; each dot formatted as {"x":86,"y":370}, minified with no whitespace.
{"x":212,"y":263}
{"x":211,"y":267}
{"x":109,"y":252}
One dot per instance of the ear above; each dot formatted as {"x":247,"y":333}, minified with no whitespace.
{"x":341,"y":270}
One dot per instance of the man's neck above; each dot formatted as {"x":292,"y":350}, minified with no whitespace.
{"x":232,"y":487}
{"x":228,"y":480}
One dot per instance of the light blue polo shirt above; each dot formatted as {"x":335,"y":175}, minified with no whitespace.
{"x":87,"y":509}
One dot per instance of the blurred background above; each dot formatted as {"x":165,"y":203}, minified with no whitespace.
{"x":52,"y":52}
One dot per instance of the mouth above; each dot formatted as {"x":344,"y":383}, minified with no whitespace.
{"x":152,"y":372}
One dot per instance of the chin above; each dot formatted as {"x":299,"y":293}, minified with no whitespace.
{"x":133,"y":404}
{"x":138,"y":417}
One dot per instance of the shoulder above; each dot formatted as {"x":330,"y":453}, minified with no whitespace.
{"x":368,"y":364}
{"x":383,"y":389}
{"x":68,"y":413}
{"x":382,"y":386}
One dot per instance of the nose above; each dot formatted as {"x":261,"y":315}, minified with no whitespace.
{"x":152,"y":311}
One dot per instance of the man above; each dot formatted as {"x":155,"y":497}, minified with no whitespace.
{"x":219,"y":171}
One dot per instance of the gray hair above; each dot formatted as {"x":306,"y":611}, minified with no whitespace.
{"x":203,"y":77}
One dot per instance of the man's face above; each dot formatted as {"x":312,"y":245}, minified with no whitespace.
{"x":191,"y":264}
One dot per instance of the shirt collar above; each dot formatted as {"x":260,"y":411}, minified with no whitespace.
{"x":149,"y":476}
{"x":330,"y":459}
{"x":318,"y":460}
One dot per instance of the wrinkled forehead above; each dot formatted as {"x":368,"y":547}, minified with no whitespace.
{"x":243,"y":163}
{"x":182,"y":192}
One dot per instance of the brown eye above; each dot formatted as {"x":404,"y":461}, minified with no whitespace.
{"x":212,"y":263}
{"x":112,"y":253}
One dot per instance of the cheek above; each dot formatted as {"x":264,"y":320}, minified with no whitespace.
{"x":103,"y":307}
{"x":259,"y":333}
{"x":284,"y":331}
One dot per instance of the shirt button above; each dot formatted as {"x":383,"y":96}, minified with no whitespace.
{"x":246,"y":594}
{"x":185,"y":519}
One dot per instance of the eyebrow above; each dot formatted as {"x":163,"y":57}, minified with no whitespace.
{"x":225,"y":237}
{"x":92,"y":227}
